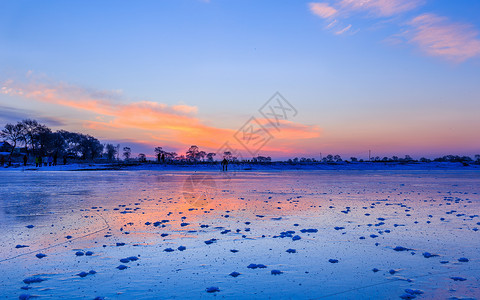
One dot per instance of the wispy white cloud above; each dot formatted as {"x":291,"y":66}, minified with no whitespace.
{"x":331,"y":24}
{"x":342,"y":31}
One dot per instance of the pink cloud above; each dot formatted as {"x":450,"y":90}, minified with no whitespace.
{"x":437,"y":36}
{"x":322,"y":10}
{"x":432,"y":34}
{"x":382,"y":8}
{"x":344,"y":9}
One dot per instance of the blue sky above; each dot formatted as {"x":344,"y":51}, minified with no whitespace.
{"x":397,"y":77}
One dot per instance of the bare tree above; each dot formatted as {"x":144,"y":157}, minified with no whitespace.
{"x":210,"y":156}
{"x":263,"y":159}
{"x":32,"y":131}
{"x":192,"y":153}
{"x":227,"y":155}
{"x":159,"y":150}
{"x":12,"y":133}
{"x":170,"y":155}
{"x":201,"y":155}
{"x":142,"y":157}
{"x":127,"y":152}
{"x":110,"y":151}
{"x":158,"y":153}
{"x":57,"y":143}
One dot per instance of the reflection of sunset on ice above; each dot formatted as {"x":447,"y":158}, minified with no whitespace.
{"x":199,"y":189}
{"x":135,"y":234}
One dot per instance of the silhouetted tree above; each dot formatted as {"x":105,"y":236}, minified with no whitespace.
{"x":44,"y":139}
{"x":201,"y":155}
{"x":32,"y":131}
{"x":453,"y":158}
{"x":110,"y":151}
{"x":192,"y":153}
{"x":158,"y":152}
{"x":95,"y":148}
{"x":127,"y":152}
{"x":83,"y":146}
{"x":210,"y":156}
{"x":227,"y":155}
{"x":170,"y":155}
{"x":263,"y":159}
{"x":13,"y":134}
{"x":55,"y":143}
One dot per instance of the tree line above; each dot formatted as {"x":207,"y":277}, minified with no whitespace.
{"x":36,"y":139}
{"x":330,"y":158}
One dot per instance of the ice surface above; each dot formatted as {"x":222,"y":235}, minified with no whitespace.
{"x":193,"y":240}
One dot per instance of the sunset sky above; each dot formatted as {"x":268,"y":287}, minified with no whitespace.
{"x":392,"y":76}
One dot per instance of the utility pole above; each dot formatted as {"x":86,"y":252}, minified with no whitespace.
{"x":369,"y":155}
{"x":320,"y":156}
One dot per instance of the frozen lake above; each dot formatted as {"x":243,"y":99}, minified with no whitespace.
{"x":413,"y":226}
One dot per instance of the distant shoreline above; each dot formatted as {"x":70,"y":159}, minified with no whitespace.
{"x":235,"y":167}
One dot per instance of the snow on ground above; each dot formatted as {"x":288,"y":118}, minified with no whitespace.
{"x":193,"y":233}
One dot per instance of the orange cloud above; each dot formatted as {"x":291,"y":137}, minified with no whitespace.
{"x":437,"y":36}
{"x":115,"y":118}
